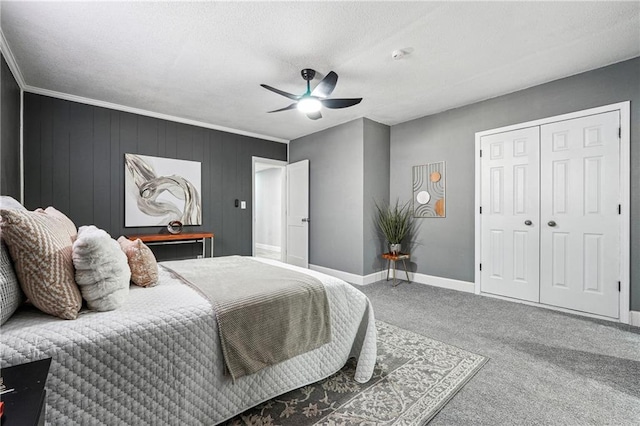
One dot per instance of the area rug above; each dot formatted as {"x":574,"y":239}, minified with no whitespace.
{"x":414,"y":378}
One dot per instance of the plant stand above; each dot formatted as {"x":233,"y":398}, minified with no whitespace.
{"x":395,"y":258}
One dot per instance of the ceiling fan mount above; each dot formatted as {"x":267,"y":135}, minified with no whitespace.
{"x":311,"y":102}
{"x":308,"y":74}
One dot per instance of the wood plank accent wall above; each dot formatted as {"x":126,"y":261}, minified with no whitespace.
{"x":9,"y":132}
{"x":74,"y":161}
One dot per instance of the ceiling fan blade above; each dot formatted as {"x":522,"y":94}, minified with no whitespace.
{"x":326,"y":86}
{"x":314,"y":115}
{"x":340,"y":103}
{"x":292,"y":106}
{"x":281,"y":92}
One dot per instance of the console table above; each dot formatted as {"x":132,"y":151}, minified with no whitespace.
{"x":159,"y":239}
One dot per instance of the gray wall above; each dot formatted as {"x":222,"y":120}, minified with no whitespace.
{"x":335,"y":195}
{"x":74,"y":161}
{"x":10,"y":133}
{"x":447,"y":245}
{"x":348,"y":171}
{"x":376,"y":189}
{"x":269,"y":207}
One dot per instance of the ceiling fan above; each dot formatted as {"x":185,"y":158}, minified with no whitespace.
{"x":311,"y":101}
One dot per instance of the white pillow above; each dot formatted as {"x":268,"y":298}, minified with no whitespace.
{"x":102,"y":271}
{"x":7,"y":202}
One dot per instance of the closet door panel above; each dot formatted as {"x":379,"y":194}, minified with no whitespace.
{"x":510,"y":216}
{"x":580,"y":244}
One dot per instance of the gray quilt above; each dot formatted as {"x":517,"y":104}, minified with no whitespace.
{"x":157,"y":360}
{"x":265,"y":314}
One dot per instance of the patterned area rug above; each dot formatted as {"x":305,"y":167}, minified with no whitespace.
{"x":414,"y":378}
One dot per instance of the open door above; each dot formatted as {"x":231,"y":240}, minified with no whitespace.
{"x":269,"y":206}
{"x":298,"y":214}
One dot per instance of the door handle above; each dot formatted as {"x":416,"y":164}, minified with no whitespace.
{"x":305,"y":219}
{"x":551,"y":223}
{"x":528,"y":222}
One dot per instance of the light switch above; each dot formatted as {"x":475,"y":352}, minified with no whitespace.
{"x":243,"y":204}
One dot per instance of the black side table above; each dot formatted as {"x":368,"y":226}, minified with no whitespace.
{"x":25,"y":405}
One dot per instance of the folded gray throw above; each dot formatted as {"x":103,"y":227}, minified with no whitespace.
{"x":266,"y":314}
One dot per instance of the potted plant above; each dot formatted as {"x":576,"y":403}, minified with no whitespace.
{"x":394,"y":222}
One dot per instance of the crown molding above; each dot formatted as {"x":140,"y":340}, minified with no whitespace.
{"x":139,"y":111}
{"x":17,"y":74}
{"x":11,"y":60}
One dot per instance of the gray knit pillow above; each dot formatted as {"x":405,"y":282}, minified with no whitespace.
{"x":11,"y":295}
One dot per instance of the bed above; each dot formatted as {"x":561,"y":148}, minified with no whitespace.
{"x":157,"y":360}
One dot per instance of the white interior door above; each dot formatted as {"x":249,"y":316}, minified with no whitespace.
{"x":298,"y":213}
{"x":580,"y":238}
{"x":510,"y":214}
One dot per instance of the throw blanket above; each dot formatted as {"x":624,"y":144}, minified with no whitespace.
{"x":265,"y":314}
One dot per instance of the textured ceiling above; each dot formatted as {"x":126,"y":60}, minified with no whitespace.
{"x":205,"y":61}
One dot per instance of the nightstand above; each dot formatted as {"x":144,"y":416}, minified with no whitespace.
{"x":25,"y":406}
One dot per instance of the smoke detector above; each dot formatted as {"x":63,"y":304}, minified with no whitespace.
{"x":398,"y":54}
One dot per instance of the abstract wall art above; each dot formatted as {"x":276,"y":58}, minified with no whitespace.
{"x":160,"y":190}
{"x":429,"y":182}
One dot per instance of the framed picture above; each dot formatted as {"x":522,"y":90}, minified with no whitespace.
{"x":161,"y":190}
{"x":429,"y":184}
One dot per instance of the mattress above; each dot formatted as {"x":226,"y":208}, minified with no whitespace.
{"x":158,"y":360}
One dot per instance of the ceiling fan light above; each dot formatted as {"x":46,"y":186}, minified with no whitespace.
{"x":308,"y":105}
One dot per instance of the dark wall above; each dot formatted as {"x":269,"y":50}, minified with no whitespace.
{"x":74,"y":161}
{"x":10,"y":133}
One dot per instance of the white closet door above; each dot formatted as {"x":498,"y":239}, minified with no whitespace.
{"x":580,"y":238}
{"x":510,"y":214}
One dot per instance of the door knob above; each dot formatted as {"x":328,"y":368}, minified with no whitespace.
{"x":528,"y":222}
{"x":551,"y":223}
{"x":305,"y":219}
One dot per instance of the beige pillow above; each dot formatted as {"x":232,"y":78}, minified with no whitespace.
{"x":41,"y":253}
{"x":64,"y":220}
{"x":142,"y":262}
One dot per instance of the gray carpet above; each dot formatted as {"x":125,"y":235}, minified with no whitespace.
{"x":546,"y":367}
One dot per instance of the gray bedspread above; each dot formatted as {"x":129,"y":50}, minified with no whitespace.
{"x":265,"y":314}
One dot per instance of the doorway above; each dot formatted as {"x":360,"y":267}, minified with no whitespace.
{"x":269,"y":201}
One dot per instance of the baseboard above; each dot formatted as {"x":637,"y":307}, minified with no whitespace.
{"x":268,"y":247}
{"x":374,"y":278}
{"x":418,"y":278}
{"x":349,"y":277}
{"x":448,"y":283}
